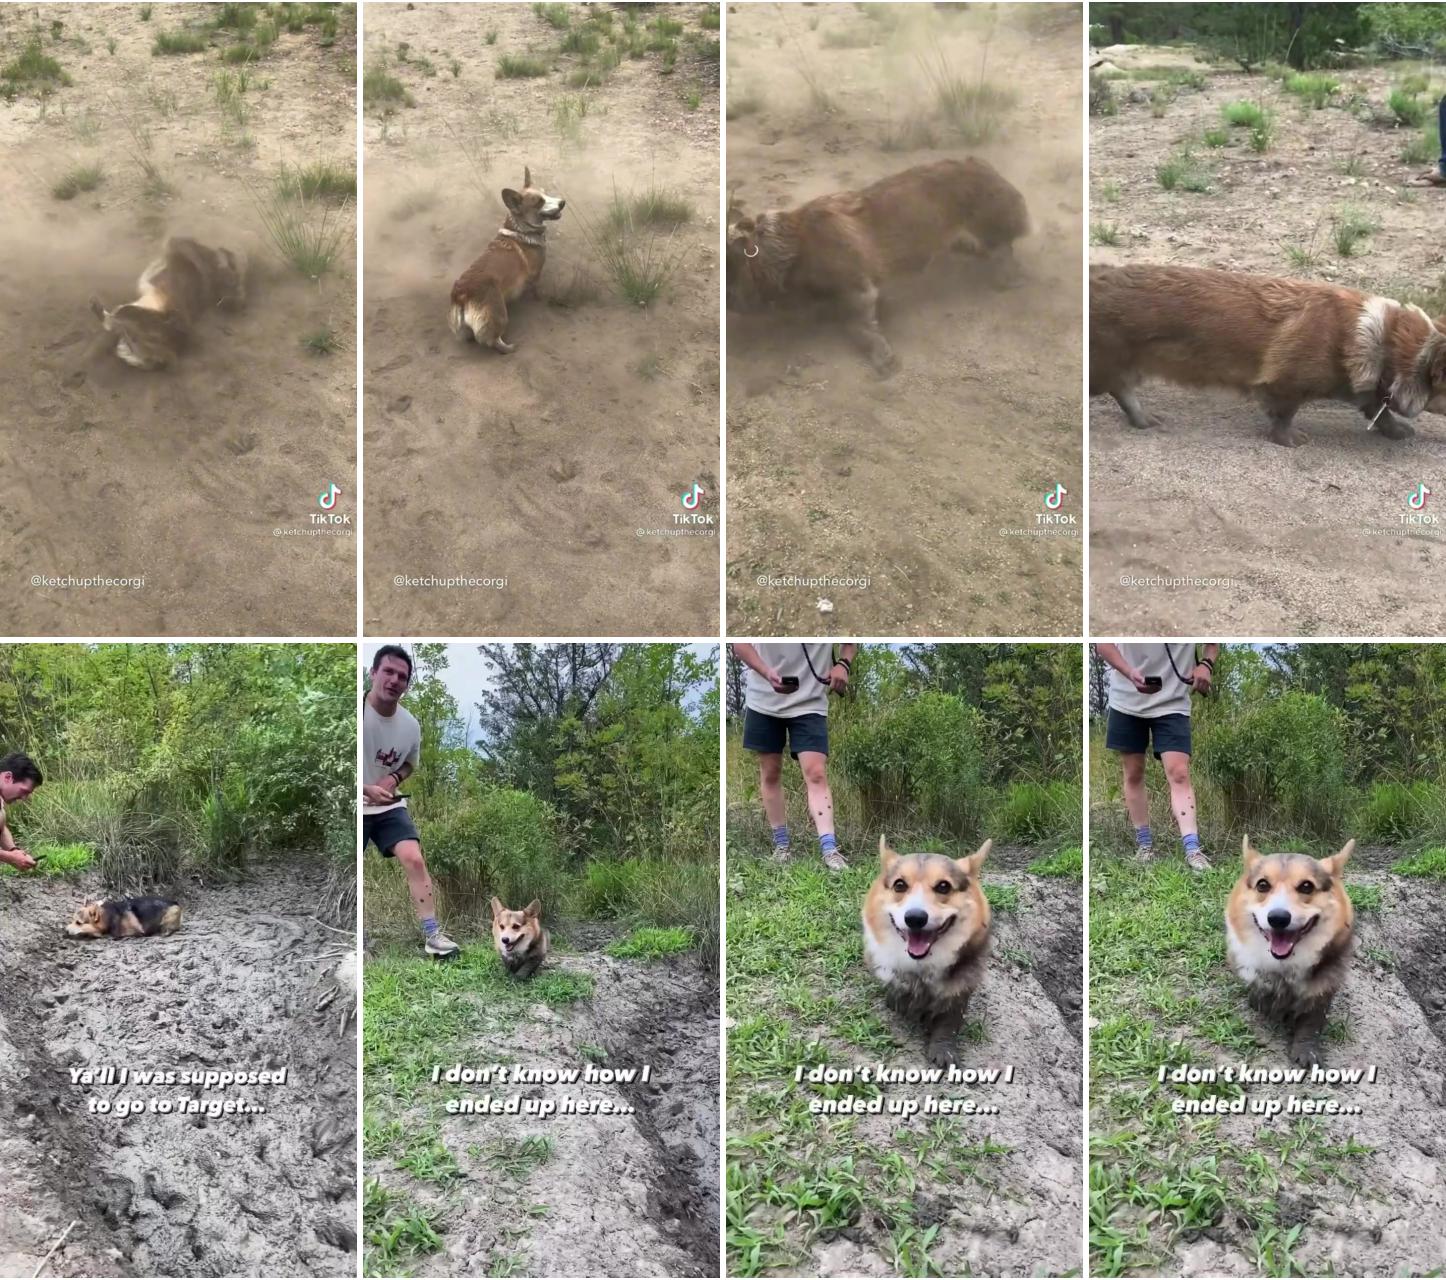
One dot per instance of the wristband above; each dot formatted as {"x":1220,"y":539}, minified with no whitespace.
{"x":845,"y":664}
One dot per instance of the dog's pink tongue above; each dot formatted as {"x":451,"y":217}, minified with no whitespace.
{"x":1281,"y":943}
{"x":919,"y":944}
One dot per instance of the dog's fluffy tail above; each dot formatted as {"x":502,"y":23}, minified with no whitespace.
{"x":458,"y":320}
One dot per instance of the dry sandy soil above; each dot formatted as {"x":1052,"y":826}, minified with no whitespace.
{"x":541,"y":467}
{"x":1304,"y":541}
{"x":633,"y":1193}
{"x":270,"y":1194}
{"x":179,"y":478}
{"x":927,"y":483}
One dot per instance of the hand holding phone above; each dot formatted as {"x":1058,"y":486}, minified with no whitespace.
{"x":1153,"y":684}
{"x":789,"y":683}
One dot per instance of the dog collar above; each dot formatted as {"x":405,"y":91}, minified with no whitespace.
{"x":537,"y":240}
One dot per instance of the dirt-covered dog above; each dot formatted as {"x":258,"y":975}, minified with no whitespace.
{"x":1288,"y":927}
{"x":519,"y":937}
{"x":509,"y":267}
{"x":176,"y":290}
{"x":844,"y":247}
{"x":926,"y":936}
{"x":125,"y":918}
{"x":1282,"y":341}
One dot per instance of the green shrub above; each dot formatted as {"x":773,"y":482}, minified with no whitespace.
{"x":1243,"y":115}
{"x":1067,"y":864}
{"x":1408,"y":109}
{"x":1313,"y":87}
{"x":1430,"y":863}
{"x":507,"y":839}
{"x":649,"y":942}
{"x":1035,"y":812}
{"x":1393,"y":811}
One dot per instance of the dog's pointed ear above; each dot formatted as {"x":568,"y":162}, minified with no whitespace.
{"x":886,"y":854}
{"x":511,"y":199}
{"x":1334,"y":866}
{"x":534,"y":909}
{"x":1250,"y":853}
{"x":526,"y":175}
{"x":970,"y":865}
{"x":497,"y":907}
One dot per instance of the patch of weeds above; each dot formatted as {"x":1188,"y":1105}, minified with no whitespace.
{"x":238,"y":53}
{"x":1262,"y":134}
{"x":455,"y":67}
{"x":396,"y":1231}
{"x":491,"y":36}
{"x":1102,"y":100}
{"x":745,"y":102}
{"x":1408,"y":109}
{"x":56,"y":860}
{"x":1353,"y":166}
{"x":85,"y":177}
{"x":692,"y":98}
{"x":1216,"y":138}
{"x":33,"y":68}
{"x":709,"y":19}
{"x":975,"y":111}
{"x":308,"y":235}
{"x":568,"y":113}
{"x":519,"y":1159}
{"x":321,"y":342}
{"x":1364,"y":897}
{"x":145,"y":12}
{"x":650,"y":942}
{"x":555,"y":15}
{"x":581,"y":40}
{"x":1315,"y":88}
{"x":1002,"y":897}
{"x":319,"y":181}
{"x":1110,"y":192}
{"x":1424,"y":147}
{"x":1067,"y":864}
{"x":1302,"y":257}
{"x":1243,"y":115}
{"x":1182,"y":172}
{"x":1349,"y":227}
{"x":1160,"y":102}
{"x":1429,"y":863}
{"x":229,"y":89}
{"x":654,"y":207}
{"x":518,"y":66}
{"x":382,"y":89}
{"x":182,"y":41}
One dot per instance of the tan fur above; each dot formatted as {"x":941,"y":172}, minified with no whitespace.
{"x":176,"y":290}
{"x":844,"y":247}
{"x":1283,"y":341}
{"x":1294,"y":986}
{"x":509,"y":267}
{"x":519,"y":937}
{"x":933,"y":986}
{"x":119,"y":920}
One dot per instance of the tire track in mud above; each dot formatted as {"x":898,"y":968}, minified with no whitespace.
{"x":268,"y":1193}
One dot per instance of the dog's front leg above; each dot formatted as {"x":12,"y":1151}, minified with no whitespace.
{"x":1282,"y":408}
{"x":943,"y":1029}
{"x":1306,"y":1033}
{"x":862,"y":306}
{"x":1141,"y":420}
{"x":1383,"y":420}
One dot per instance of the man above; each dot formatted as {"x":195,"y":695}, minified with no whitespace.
{"x":786,"y":703}
{"x":1149,"y":705}
{"x":18,"y":778}
{"x":391,"y":747}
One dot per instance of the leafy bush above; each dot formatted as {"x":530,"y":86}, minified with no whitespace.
{"x":1394,"y":811}
{"x":1036,"y":812}
{"x":507,"y":839}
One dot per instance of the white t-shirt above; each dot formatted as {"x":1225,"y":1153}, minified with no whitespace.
{"x":810,"y":698}
{"x":1154,"y":660}
{"x":387,"y":743}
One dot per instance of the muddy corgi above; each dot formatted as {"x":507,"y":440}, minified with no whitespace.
{"x":180,"y":286}
{"x":1285,"y":342}
{"x":1288,"y":926}
{"x":519,"y":937}
{"x":926,"y":938}
{"x":125,"y":918}
{"x":844,"y":247}
{"x":508,"y":268}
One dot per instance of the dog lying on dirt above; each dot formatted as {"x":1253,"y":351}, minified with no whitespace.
{"x":926,"y":937}
{"x":1288,"y":927}
{"x":187,"y":280}
{"x":519,"y":937}
{"x":1283,"y":341}
{"x":125,"y":918}
{"x":509,"y":267}
{"x":843,"y":248}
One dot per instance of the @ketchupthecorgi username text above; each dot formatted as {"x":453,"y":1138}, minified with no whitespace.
{"x":804,"y":581}
{"x":68,"y":582}
{"x":447,"y":582}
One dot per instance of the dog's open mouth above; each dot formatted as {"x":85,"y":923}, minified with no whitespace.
{"x":552,"y":215}
{"x":508,"y":943}
{"x":1282,"y":941}
{"x":921,"y":941}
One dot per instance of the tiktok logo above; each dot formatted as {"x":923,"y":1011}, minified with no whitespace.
{"x":326,"y":500}
{"x":692,"y":498}
{"x":1053,"y":500}
{"x":1417,"y":500}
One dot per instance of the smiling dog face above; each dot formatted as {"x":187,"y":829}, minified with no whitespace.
{"x":1285,"y":911}
{"x":923,"y":910}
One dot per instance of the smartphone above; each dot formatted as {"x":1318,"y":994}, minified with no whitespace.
{"x":1153,"y":684}
{"x":790,"y":684}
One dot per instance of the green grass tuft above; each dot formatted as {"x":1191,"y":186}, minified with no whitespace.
{"x":183,"y":41}
{"x":56,"y":860}
{"x":514,"y":66}
{"x":33,"y":68}
{"x":649,"y":943}
{"x":82,"y":178}
{"x":1429,"y":863}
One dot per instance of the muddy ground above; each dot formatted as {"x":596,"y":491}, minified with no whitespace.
{"x":555,"y":468}
{"x":1304,"y":541}
{"x":270,"y":1194}
{"x":180,"y":478}
{"x":628,"y":1194}
{"x":980,"y":1194}
{"x":926,"y":484}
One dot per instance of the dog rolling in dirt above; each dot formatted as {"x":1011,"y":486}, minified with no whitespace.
{"x":1284,"y":342}
{"x":176,"y":290}
{"x":519,"y":937}
{"x":926,"y":937}
{"x":1288,"y":926}
{"x":125,"y":918}
{"x":509,"y":267}
{"x":844,"y":248}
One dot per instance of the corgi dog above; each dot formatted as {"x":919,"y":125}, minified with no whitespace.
{"x":519,"y":937}
{"x":1289,"y":930}
{"x":180,"y":286}
{"x":125,"y":918}
{"x":509,"y":267}
{"x":926,"y":938}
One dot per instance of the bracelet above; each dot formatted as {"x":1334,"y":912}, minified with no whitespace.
{"x":845,"y":664}
{"x":1208,"y":664}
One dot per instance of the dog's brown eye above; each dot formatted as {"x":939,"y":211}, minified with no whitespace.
{"x":943,"y":888}
{"x":1305,"y":887}
{"x":1262,"y":886}
{"x":901,"y":886}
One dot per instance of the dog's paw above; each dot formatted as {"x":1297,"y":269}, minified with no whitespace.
{"x":1290,"y":436}
{"x":1305,"y":1052}
{"x":885,"y":362}
{"x":1393,"y":428}
{"x":942,"y":1053}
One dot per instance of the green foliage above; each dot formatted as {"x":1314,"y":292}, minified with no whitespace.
{"x":1036,"y":812}
{"x":1067,"y":864}
{"x":1314,"y":87}
{"x":33,"y":67}
{"x":56,"y":860}
{"x":1395,"y":811}
{"x":1408,"y":109}
{"x":649,"y":943}
{"x":1430,"y":863}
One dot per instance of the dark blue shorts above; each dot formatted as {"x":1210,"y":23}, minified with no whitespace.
{"x":768,"y":734}
{"x":387,"y":830}
{"x":1132,"y":734}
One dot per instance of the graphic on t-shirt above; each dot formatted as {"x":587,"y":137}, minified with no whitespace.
{"x":388,"y":758}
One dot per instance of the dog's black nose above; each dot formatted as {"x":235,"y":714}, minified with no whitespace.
{"x":916,"y":919}
{"x":561,"y":205}
{"x":1279,"y":918}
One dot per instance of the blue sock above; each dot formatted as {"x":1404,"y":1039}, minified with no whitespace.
{"x":780,"y":837}
{"x":1143,"y":838}
{"x":1191,"y":843}
{"x":429,"y":926}
{"x":827,"y":844}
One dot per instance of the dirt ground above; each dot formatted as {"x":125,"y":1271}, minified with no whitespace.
{"x":627,"y":1194}
{"x":924,"y":485}
{"x":270,"y":1194}
{"x":180,"y":478}
{"x":965,"y":1194}
{"x":555,"y":469}
{"x":1274,"y":541}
